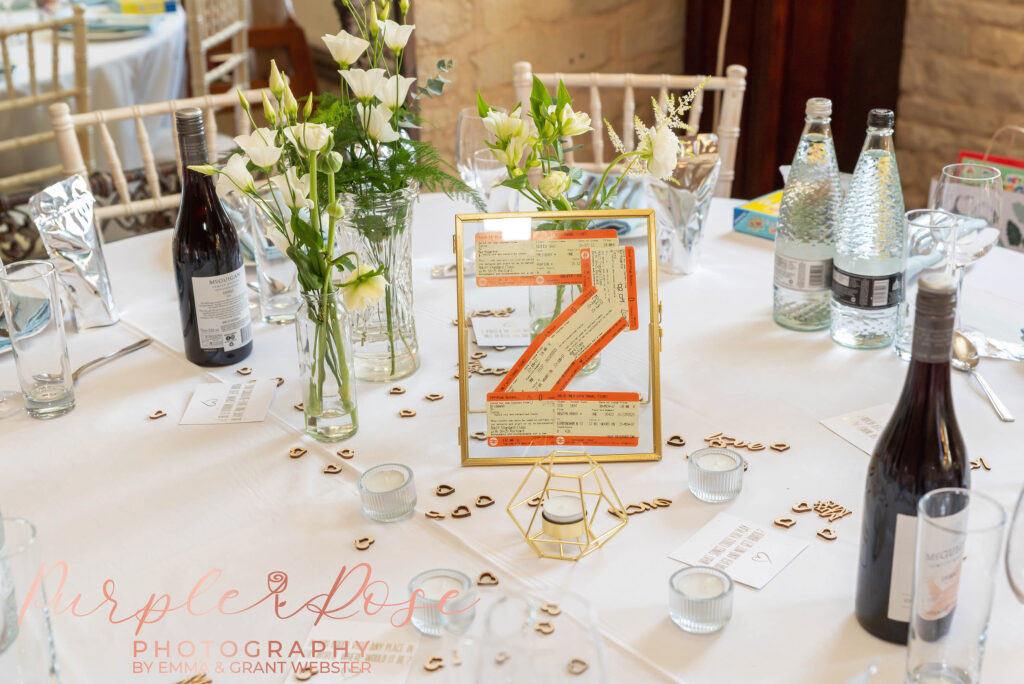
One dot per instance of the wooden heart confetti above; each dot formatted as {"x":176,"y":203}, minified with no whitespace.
{"x":483,"y":501}
{"x":462,"y":512}
{"x":406,"y":413}
{"x":304,"y":674}
{"x":478,"y":355}
{"x":364,"y":543}
{"x":280,"y":381}
{"x":396,"y":390}
{"x":244,"y":370}
{"x":551,"y":609}
{"x":779,"y":446}
{"x":299,"y":407}
{"x":332,"y":468}
{"x":434,"y":515}
{"x":158,"y":414}
{"x":501,"y":657}
{"x":544,"y":628}
{"x":534,"y":500}
{"x":577,"y":666}
{"x":785,"y":522}
{"x":487,"y":579}
{"x":296,"y":452}
{"x":444,"y":490}
{"x":802,"y":507}
{"x":676,"y":441}
{"x":347,"y":453}
{"x":433,"y":664}
{"x":500,"y":347}
{"x":433,"y":396}
{"x":479,"y":436}
{"x":827,"y":533}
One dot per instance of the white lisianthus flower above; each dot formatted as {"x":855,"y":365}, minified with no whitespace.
{"x":396,"y":35}
{"x":293,"y":189}
{"x":345,"y":48}
{"x":364,"y":82}
{"x":259,"y":146}
{"x":307,"y":137}
{"x":377,"y":123}
{"x":555,"y":184}
{"x":276,"y":80}
{"x":571,"y":123}
{"x":512,"y":152}
{"x":364,"y":294}
{"x":503,"y":126}
{"x":235,"y":175}
{"x":392,"y":91}
{"x":661,"y":151}
{"x":279,"y":239}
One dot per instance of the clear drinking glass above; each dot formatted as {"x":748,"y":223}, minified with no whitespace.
{"x":27,"y":652}
{"x":32,"y":314}
{"x":469,"y":137}
{"x":275,"y":272}
{"x":959,"y":540}
{"x":925,"y":230}
{"x":973,"y":193}
{"x":1015,"y":550}
{"x":488,"y":172}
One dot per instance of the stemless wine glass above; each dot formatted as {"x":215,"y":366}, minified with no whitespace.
{"x":469,"y":137}
{"x":488,"y":172}
{"x":925,"y":227}
{"x":972,"y":193}
{"x":1015,"y":550}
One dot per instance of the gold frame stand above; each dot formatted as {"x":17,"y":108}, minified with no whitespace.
{"x":570,"y":541}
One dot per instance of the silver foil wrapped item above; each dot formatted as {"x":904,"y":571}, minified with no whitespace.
{"x":63,"y":214}
{"x":680,"y":208}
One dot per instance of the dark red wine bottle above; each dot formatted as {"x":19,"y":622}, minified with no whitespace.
{"x":919,"y":450}
{"x":208,"y":266}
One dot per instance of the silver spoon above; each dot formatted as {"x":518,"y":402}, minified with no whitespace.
{"x":135,"y":346}
{"x":965,"y":358}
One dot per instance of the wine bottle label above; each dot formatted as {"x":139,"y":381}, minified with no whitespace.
{"x":933,"y":339}
{"x":940,"y":558}
{"x":866,"y":292}
{"x":901,"y":577}
{"x":222,"y":311}
{"x":805,"y":275}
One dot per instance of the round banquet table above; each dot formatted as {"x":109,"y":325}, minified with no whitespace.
{"x":149,"y":68}
{"x":154,"y":505}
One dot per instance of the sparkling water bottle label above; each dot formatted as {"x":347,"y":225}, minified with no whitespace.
{"x":866,"y":292}
{"x":805,"y":275}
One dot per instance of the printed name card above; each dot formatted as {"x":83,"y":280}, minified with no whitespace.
{"x":495,"y":331}
{"x":749,"y":552}
{"x":861,"y":428}
{"x":239,"y":402}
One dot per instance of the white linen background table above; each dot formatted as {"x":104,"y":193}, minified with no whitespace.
{"x":155,"y":505}
{"x":141,"y":70}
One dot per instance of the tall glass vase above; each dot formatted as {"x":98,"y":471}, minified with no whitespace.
{"x":547,"y":302}
{"x":378,"y":227}
{"x":325,"y":366}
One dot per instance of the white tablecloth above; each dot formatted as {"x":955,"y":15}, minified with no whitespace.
{"x":141,"y":70}
{"x":154,"y":505}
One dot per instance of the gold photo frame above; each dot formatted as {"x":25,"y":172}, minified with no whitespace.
{"x":626,"y":384}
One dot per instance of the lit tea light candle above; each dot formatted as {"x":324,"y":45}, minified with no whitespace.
{"x":700,"y":599}
{"x":434,"y":588}
{"x":459,"y":610}
{"x":563,"y":510}
{"x":715,"y":474}
{"x":388,"y":492}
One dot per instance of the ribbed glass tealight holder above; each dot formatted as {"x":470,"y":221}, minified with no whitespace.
{"x":715,"y":474}
{"x":388,"y":492}
{"x":700,"y":599}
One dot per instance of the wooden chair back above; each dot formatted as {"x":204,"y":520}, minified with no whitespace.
{"x":42,"y":93}
{"x":66,"y":126}
{"x":733,"y":85}
{"x":212,"y":23}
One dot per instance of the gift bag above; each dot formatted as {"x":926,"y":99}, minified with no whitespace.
{"x":1012,"y":168}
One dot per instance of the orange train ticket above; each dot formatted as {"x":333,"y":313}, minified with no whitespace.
{"x":549,"y":257}
{"x":612,"y":272}
{"x":558,"y":418}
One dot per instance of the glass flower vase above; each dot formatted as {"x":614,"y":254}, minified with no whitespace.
{"x":325,"y":366}
{"x":378,"y":228}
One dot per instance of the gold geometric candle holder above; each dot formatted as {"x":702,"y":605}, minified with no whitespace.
{"x":563,"y":515}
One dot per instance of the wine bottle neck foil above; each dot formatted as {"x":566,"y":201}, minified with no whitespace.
{"x":934,"y":319}
{"x":191,"y":136}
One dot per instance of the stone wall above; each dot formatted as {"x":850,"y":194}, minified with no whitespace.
{"x":486,"y":37}
{"x":961,"y":78}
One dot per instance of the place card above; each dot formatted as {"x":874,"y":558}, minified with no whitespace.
{"x":358,"y":650}
{"x":749,"y":552}
{"x":495,"y":331}
{"x":238,"y":402}
{"x":861,"y":428}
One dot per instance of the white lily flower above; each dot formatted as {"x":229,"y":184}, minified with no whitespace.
{"x":363,"y":82}
{"x":307,"y":137}
{"x":396,"y":35}
{"x":554,"y":184}
{"x":366,"y":293}
{"x":660,"y":149}
{"x":293,"y":189}
{"x":392,"y":91}
{"x":235,"y":175}
{"x":512,"y":152}
{"x":503,"y":126}
{"x":571,"y":123}
{"x":377,"y":123}
{"x":259,"y":146}
{"x":345,"y":48}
